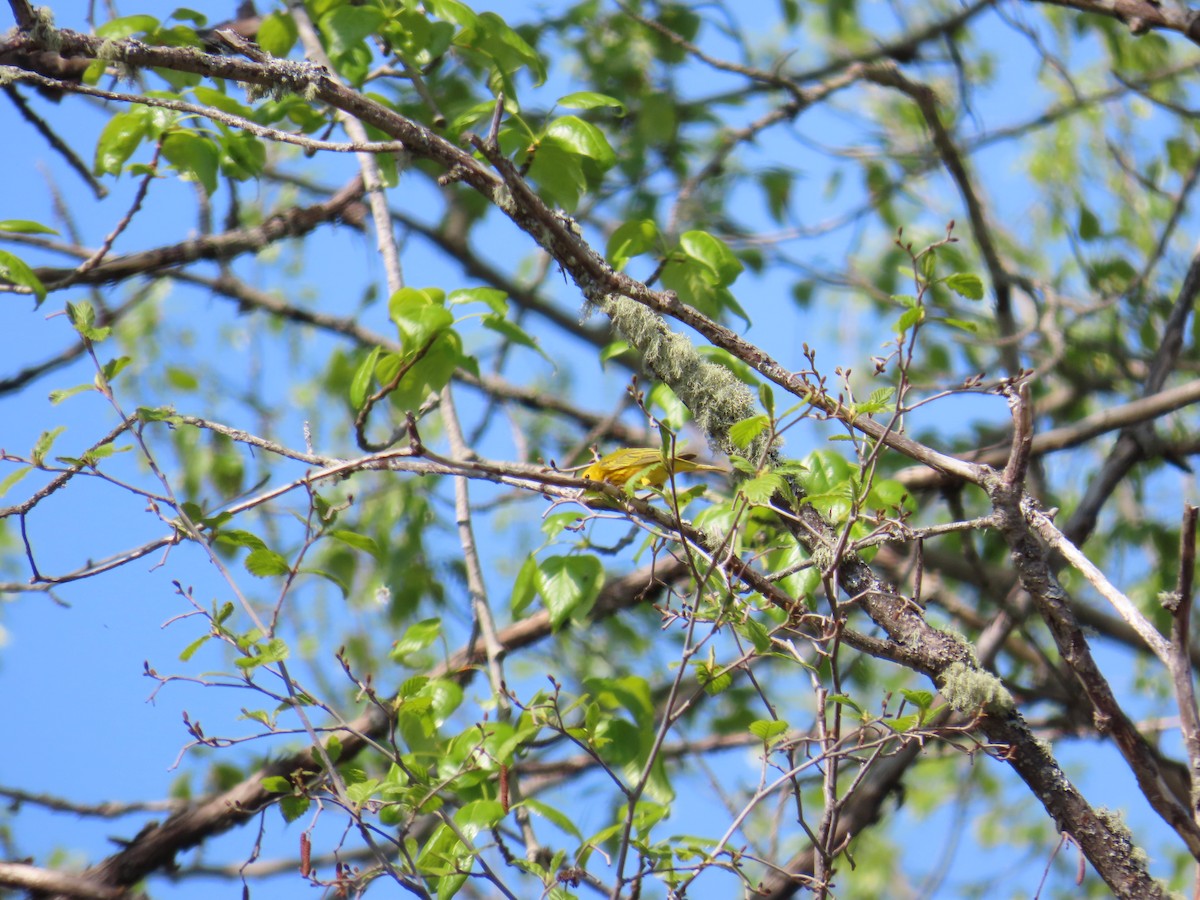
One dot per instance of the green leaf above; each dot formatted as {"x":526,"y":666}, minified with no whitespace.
{"x":921,"y":699}
{"x":127,"y":26}
{"x":714,"y":254}
{"x":711,"y":678}
{"x":560,"y":820}
{"x":11,"y":479}
{"x":238,"y":538}
{"x":292,"y":807}
{"x":83,"y":316}
{"x":104,"y":451}
{"x":158,"y":414}
{"x":453,"y":11}
{"x":514,"y":333}
{"x":242,"y":155}
{"x":767,"y":398}
{"x":193,"y":156}
{"x":631,"y":239}
{"x":673,"y":412}
{"x":590,"y":100}
{"x":909,"y":318}
{"x":182,"y":379}
{"x":1089,"y":225}
{"x":428,"y":375}
{"x":25,"y":226}
{"x":363,"y":376}
{"x":491,"y":35}
{"x":58,"y":396}
{"x":277,"y":34}
{"x":333,"y":746}
{"x":583,"y":139}
{"x":556,"y":524}
{"x":569,"y":585}
{"x":887,"y":493}
{"x":263,"y":563}
{"x":114,"y":367}
{"x":419,"y":315}
{"x":348,"y":26}
{"x":613,"y":350}
{"x":559,"y":175}
{"x":496,"y":300}
{"x":190,"y":650}
{"x":277,"y":784}
{"x":416,"y":638}
{"x":777,"y":185}
{"x":962,"y":324}
{"x":44,"y":442}
{"x":478,"y":816}
{"x":359,"y":542}
{"x":768,"y":730}
{"x":880,"y":399}
{"x":757,"y":633}
{"x":14,"y":270}
{"x":844,"y":700}
{"x":218,"y":100}
{"x":744,"y":432}
{"x":119,"y":139}
{"x":966,"y":285}
{"x":184,"y":14}
{"x":261,"y":653}
{"x":760,"y":490}
{"x":524,"y":587}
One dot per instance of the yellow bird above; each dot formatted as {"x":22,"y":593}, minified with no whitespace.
{"x":644,"y":463}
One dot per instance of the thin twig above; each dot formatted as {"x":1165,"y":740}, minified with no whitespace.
{"x":60,"y":146}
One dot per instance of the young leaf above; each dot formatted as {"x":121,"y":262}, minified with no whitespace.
{"x":569,"y":586}
{"x":966,"y":285}
{"x":632,"y":238}
{"x":715,"y":255}
{"x":744,"y":432}
{"x":14,"y":270}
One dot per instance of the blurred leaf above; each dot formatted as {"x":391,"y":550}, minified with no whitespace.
{"x":25,"y":226}
{"x":119,"y":139}
{"x":277,"y":34}
{"x":581,"y":138}
{"x":569,"y":585}
{"x":347,"y":26}
{"x":514,"y":333}
{"x":263,"y":563}
{"x":631,"y":239}
{"x":714,"y":254}
{"x":416,"y":638}
{"x":193,"y":156}
{"x":359,"y":542}
{"x":15,"y":271}
{"x":364,"y":375}
{"x":744,"y":432}
{"x":965,"y":285}
{"x":590,"y":100}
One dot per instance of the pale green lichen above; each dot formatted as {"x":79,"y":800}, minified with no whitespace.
{"x":968,"y":689}
{"x":715,"y":396}
{"x":503,"y":199}
{"x":110,"y":50}
{"x":42,"y":31}
{"x":964,"y":645}
{"x":821,"y":556}
{"x":1114,"y":821}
